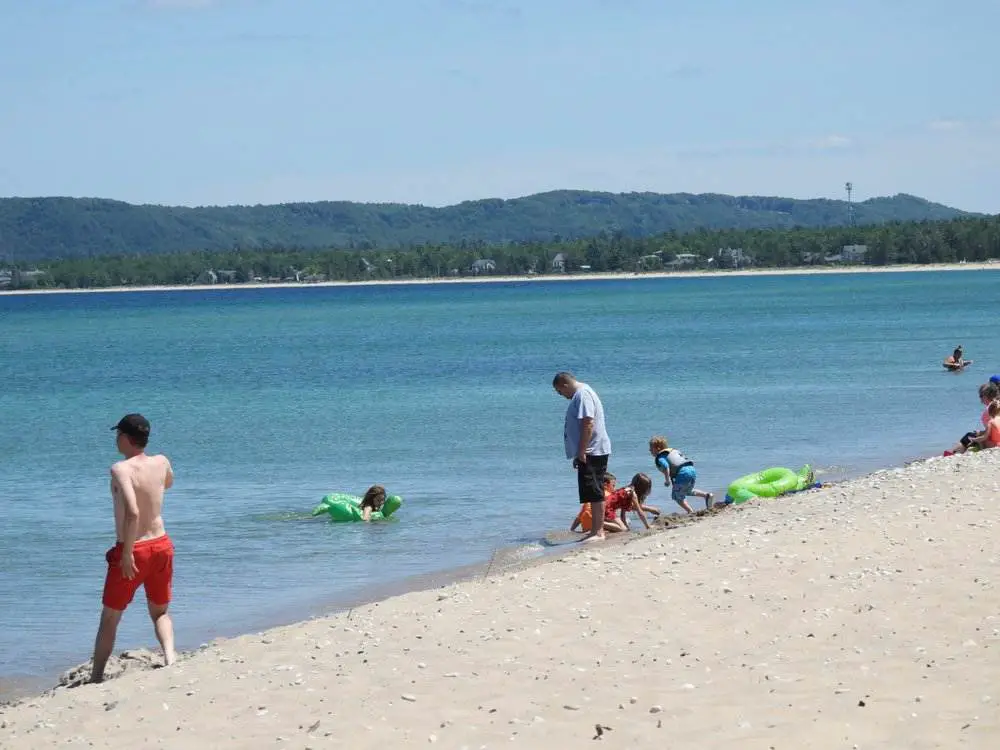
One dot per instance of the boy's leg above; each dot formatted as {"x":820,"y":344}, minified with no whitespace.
{"x":117,"y":595}
{"x":706,"y":496}
{"x":159,"y":589}
{"x":104,"y":644}
{"x":679,"y":494}
{"x":164,"y":628}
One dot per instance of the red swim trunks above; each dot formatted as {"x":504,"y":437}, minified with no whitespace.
{"x":154,"y":569}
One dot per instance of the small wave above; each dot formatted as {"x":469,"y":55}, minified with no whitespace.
{"x":291,"y":515}
{"x":821,"y":471}
{"x":507,"y":557}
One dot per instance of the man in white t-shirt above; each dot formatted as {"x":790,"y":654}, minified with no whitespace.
{"x":587,"y":444}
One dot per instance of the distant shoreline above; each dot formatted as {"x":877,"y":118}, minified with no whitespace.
{"x":611,"y":276}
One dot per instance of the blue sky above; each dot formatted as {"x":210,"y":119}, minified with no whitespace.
{"x":436,"y":101}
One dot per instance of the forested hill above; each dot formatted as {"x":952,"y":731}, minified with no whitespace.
{"x":34,"y":229}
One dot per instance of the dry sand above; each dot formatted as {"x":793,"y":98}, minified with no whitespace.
{"x":863,"y":615}
{"x":801,"y":271}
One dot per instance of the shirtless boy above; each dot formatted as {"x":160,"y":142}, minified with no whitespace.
{"x":144,"y":554}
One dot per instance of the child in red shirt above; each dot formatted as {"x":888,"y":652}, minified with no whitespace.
{"x":628,"y":498}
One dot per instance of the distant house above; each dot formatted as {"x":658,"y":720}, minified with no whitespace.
{"x":559,"y":262}
{"x":649,"y":262}
{"x":226,"y":277}
{"x":684,"y":259}
{"x":483,"y":265}
{"x":849,"y":254}
{"x":733,"y":257}
{"x":6,"y":279}
{"x":208,"y":276}
{"x":854,"y":253}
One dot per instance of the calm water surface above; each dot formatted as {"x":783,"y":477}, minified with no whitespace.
{"x":265,"y":400}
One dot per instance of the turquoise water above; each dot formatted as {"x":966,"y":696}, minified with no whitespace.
{"x":267,"y":399}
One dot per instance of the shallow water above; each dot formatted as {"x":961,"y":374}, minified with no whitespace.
{"x":265,"y":400}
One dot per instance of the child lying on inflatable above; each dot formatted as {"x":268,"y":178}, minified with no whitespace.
{"x":374,"y":506}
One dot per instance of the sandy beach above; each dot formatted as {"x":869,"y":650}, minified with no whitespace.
{"x":861,"y":615}
{"x":801,"y":271}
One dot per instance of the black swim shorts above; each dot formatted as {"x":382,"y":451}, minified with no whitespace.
{"x":590,"y":479}
{"x":967,"y":438}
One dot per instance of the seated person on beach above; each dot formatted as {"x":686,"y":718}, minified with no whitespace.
{"x":583,"y":518}
{"x":988,"y":393}
{"x":677,"y":469}
{"x":992,"y":437}
{"x":373,"y":500}
{"x":629,"y":497}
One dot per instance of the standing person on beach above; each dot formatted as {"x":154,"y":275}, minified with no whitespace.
{"x":143,"y":554}
{"x":587,"y":444}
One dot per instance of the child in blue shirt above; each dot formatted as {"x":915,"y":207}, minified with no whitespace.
{"x":677,"y":469}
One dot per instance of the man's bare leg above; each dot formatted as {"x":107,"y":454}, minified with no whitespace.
{"x":105,"y":642}
{"x":164,"y":627}
{"x":597,"y":532}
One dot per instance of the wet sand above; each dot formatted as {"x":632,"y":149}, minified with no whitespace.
{"x":859,"y":615}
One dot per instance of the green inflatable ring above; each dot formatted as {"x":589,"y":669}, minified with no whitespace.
{"x":770,"y":483}
{"x":343,"y":508}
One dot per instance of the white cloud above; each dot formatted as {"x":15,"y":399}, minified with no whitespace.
{"x":830,"y":142}
{"x":946,"y":126}
{"x":181,"y":3}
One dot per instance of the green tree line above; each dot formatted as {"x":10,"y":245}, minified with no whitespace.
{"x":967,"y":239}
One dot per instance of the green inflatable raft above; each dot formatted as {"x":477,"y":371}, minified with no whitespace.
{"x":344,"y":508}
{"x":769,"y":483}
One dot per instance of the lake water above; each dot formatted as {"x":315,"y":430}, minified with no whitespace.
{"x":266,"y":400}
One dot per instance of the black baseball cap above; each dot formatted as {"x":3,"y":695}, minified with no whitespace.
{"x":133,"y":425}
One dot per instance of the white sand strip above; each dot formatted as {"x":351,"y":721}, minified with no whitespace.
{"x":863,"y":615}
{"x":795,"y":271}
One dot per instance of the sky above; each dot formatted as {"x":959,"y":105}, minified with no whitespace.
{"x":213,"y":102}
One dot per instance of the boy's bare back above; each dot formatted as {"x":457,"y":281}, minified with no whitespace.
{"x":144,"y":478}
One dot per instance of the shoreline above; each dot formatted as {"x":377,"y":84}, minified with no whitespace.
{"x":608,"y":276}
{"x":554,"y":544}
{"x":551,"y":547}
{"x":802,"y":621}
